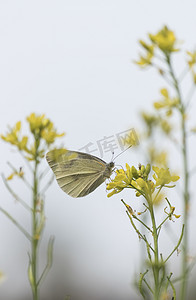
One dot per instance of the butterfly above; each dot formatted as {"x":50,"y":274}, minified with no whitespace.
{"x":78,"y":174}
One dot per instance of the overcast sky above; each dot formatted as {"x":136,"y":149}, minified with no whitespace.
{"x":72,"y":60}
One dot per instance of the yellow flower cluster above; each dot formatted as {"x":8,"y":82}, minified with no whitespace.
{"x":147,"y":59}
{"x":158,"y":157}
{"x":13,"y":137}
{"x":127,"y":179}
{"x":164,"y":40}
{"x":41,"y":128}
{"x":152,"y":121}
{"x":166,"y":102}
{"x":163,"y":177}
{"x":138,"y":180}
{"x":192,"y":58}
{"x":192,"y":64}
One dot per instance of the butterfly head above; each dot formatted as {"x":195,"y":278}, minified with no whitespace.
{"x":109,"y":169}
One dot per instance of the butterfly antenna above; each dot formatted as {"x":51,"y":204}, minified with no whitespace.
{"x":112,"y":155}
{"x":121,"y":152}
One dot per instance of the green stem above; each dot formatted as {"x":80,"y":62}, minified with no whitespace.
{"x":35,"y":240}
{"x":156,"y":253}
{"x":186,"y":185}
{"x":178,"y":244}
{"x":16,"y":223}
{"x":15,"y":195}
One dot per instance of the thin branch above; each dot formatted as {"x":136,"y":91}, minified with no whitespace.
{"x":180,"y":239}
{"x":183,"y":74}
{"x":148,"y":228}
{"x":189,"y":96}
{"x":135,"y":217}
{"x":49,"y":260}
{"x":47,"y":184}
{"x":188,"y":270}
{"x":26,"y":161}
{"x":23,"y":203}
{"x":22,"y":177}
{"x":159,"y":227}
{"x":142,"y":279}
{"x":172,"y":286}
{"x":28,"y":236}
{"x":42,"y":174}
{"x":140,"y":283}
{"x":139,"y":233}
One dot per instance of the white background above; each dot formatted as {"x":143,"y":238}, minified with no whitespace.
{"x":72,"y":60}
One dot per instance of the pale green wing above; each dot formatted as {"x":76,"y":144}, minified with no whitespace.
{"x":82,"y":185}
{"x":78,"y":174}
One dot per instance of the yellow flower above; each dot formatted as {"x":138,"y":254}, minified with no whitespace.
{"x":57,"y":154}
{"x":23,"y":143}
{"x":142,"y":185}
{"x":49,"y":134}
{"x":13,"y":134}
{"x":131,"y":178}
{"x":19,"y":173}
{"x":129,"y":173}
{"x":150,"y":120}
{"x":122,"y":180}
{"x":14,"y":137}
{"x":166,"y":102}
{"x":165,"y":40}
{"x":157,"y":157}
{"x":166,"y":127}
{"x":43,"y":131}
{"x":37,"y":122}
{"x":163,"y":176}
{"x":43,"y":127}
{"x":149,"y":48}
{"x":192,"y":58}
{"x":144,"y":61}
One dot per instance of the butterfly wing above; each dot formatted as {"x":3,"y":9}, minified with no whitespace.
{"x":77,"y":173}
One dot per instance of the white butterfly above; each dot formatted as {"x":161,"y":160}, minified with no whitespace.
{"x":78,"y":174}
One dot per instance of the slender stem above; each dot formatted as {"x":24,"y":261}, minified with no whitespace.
{"x":49,"y":260}
{"x":48,"y":184}
{"x":16,"y":223}
{"x":26,"y":161}
{"x":35,"y":241}
{"x":159,"y":227}
{"x":23,"y":178}
{"x":157,"y":194}
{"x":148,"y":228}
{"x":178,"y":244}
{"x":186,"y":184}
{"x":172,"y":286}
{"x":138,"y":232}
{"x":15,"y":195}
{"x":156,"y":252}
{"x":189,"y":96}
{"x":134,"y":216}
